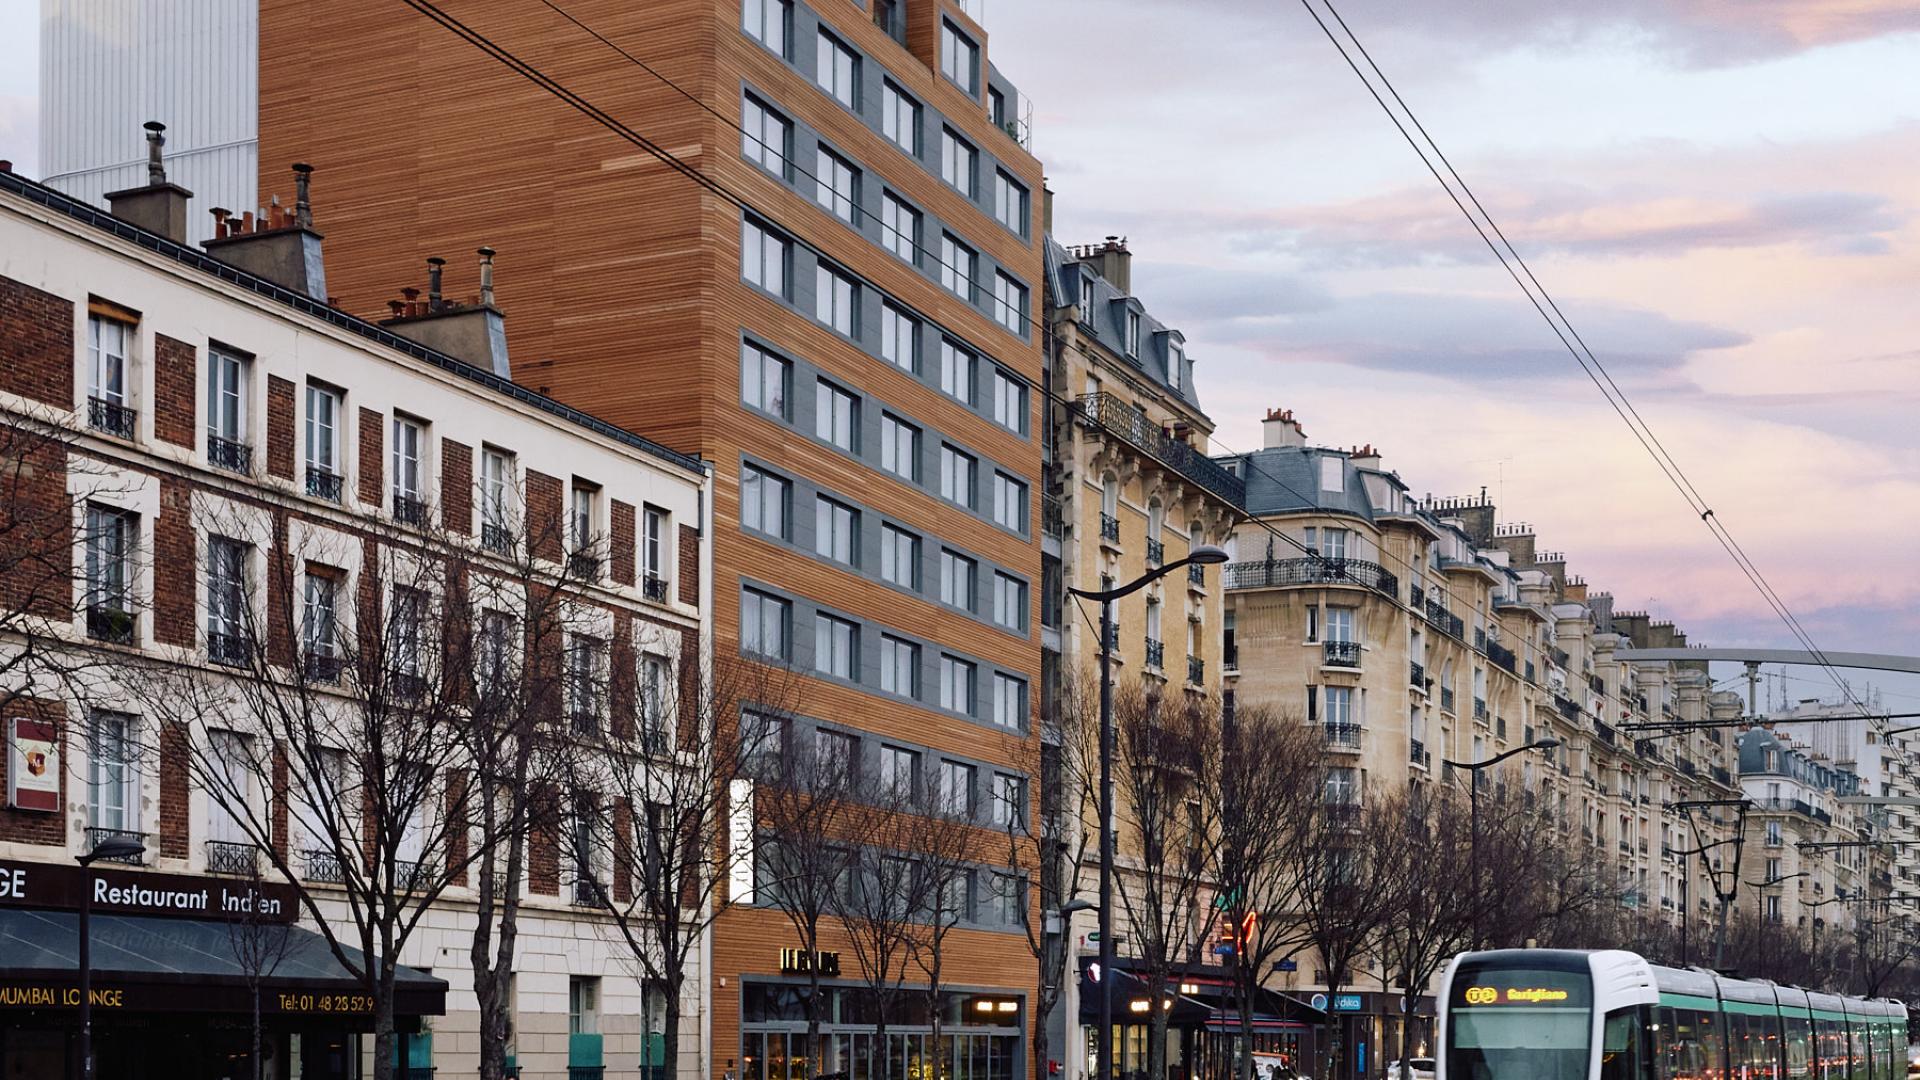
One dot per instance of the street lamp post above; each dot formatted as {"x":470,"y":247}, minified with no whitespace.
{"x":112,"y":847}
{"x":1473,"y":813}
{"x":1204,"y":555}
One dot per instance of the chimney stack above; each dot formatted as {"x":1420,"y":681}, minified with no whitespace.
{"x":475,"y":331}
{"x":1282,"y":430}
{"x":1114,"y":262}
{"x":1046,"y":206}
{"x":1366,"y":457}
{"x":279,"y":246}
{"x":158,"y":207}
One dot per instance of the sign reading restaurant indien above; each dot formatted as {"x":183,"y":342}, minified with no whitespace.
{"x":59,"y":887}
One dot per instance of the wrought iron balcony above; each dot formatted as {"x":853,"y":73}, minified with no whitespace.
{"x":1443,"y":620}
{"x":496,"y":538}
{"x":406,"y":684}
{"x":324,"y":667}
{"x":408,"y":873}
{"x":319,"y":865}
{"x":324,"y":483}
{"x":409,"y":510}
{"x":587,"y":894}
{"x":1053,"y":518}
{"x":95,"y":834}
{"x":1115,"y":416}
{"x":227,"y":857}
{"x":1568,"y":708}
{"x":231,"y":650}
{"x":229,"y":455}
{"x":1418,"y":754}
{"x":1313,"y":570}
{"x":1342,"y":736}
{"x":1344,"y":654}
{"x":1499,"y":727}
{"x":1560,"y":658}
{"x":1196,"y":670}
{"x":1606,"y":733}
{"x":586,"y":1072}
{"x":654,"y":588}
{"x":1417,"y":675}
{"x":1416,"y":597}
{"x":584,"y":565}
{"x":1446,"y":699}
{"x":1501,"y":655}
{"x":1156,"y":652}
{"x":1480,"y":709}
{"x":111,"y":622}
{"x":1156,"y":552}
{"x":1197,"y":575}
{"x":111,"y":418}
{"x":1480,"y":638}
{"x":1109,"y":528}
{"x":1597,"y":684}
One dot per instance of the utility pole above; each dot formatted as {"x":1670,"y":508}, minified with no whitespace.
{"x":1753,"y":689}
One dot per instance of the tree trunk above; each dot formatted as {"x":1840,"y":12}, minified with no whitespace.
{"x":880,"y":1041}
{"x":1157,"y":1044}
{"x":813,"y":1017}
{"x":1243,"y":995}
{"x":383,"y":1040}
{"x":670,"y":1029}
{"x":1406,"y":1030}
{"x":259,"y":1071}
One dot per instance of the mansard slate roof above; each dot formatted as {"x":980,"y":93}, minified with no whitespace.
{"x":1280,"y":479}
{"x":1063,"y":283}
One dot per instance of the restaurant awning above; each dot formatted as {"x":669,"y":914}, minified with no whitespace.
{"x":1132,"y":999}
{"x":143,"y":964}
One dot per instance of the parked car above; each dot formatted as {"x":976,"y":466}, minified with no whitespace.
{"x":1422,"y":1069}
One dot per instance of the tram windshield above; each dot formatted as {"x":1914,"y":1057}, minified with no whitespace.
{"x":1515,"y":1023}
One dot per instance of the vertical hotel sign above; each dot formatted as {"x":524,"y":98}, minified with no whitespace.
{"x":33,"y":765}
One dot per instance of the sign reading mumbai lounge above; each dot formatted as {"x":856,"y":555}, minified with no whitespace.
{"x":52,"y":885}
{"x":33,"y":765}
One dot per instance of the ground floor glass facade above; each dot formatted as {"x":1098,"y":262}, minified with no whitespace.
{"x":980,"y":1036}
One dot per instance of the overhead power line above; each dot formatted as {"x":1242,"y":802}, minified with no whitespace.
{"x":1562,"y":327}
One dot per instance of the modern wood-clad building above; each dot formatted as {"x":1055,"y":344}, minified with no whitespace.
{"x":857,"y":351}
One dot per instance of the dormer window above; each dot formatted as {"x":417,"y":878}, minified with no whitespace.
{"x":1133,"y":334}
{"x":1086,"y":300}
{"x":1176,"y":364}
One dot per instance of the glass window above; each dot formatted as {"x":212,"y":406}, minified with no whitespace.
{"x":1009,"y":303}
{"x":320,"y":619}
{"x":586,"y":681}
{"x":837,"y":70}
{"x":900,"y":448}
{"x":957,"y":264}
{"x":899,"y":666}
{"x":834,"y":646}
{"x":226,"y":396}
{"x":957,"y":366}
{"x":586,"y":516}
{"x":834,"y":294}
{"x":959,"y":59}
{"x":1009,"y":799}
{"x":1010,"y":502}
{"x":836,"y":416}
{"x":957,"y":574}
{"x":764,"y":256}
{"x":899,"y":227}
{"x":226,"y":599}
{"x":1009,"y":701}
{"x":956,"y":683}
{"x":1010,"y":202}
{"x":110,"y":538}
{"x":959,"y":162}
{"x":113,"y":792}
{"x":899,"y":338}
{"x":956,"y":788}
{"x":496,"y":495}
{"x":653,"y":542}
{"x":899,"y":770}
{"x":107,"y":359}
{"x":767,"y":21}
{"x":836,"y":530}
{"x":956,"y":474}
{"x":764,"y":379}
{"x":836,"y":184}
{"x":764,"y":620}
{"x":1009,"y":601}
{"x":900,"y":557}
{"x":764,"y":499}
{"x":406,"y":633}
{"x":766,"y":137}
{"x":323,"y":429}
{"x":1009,"y":401}
{"x":1339,"y":705}
{"x":409,"y":439}
{"x":1133,"y":333}
{"x":1176,"y":365}
{"x":900,"y":118}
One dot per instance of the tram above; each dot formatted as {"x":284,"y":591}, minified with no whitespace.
{"x":1550,"y":1014}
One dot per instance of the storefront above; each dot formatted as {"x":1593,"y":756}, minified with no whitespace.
{"x":1204,"y":1036}
{"x":982,"y":1034}
{"x":178,"y":965}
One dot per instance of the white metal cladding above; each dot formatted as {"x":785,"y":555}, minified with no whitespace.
{"x":109,"y":66}
{"x":1621,"y":979}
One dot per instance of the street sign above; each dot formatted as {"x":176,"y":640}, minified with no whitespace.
{"x":1287,"y":965}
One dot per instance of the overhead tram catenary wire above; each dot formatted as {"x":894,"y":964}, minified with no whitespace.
{"x":1563,"y":329}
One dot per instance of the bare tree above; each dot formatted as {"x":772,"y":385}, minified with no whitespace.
{"x":891,"y":894}
{"x":1269,"y":792}
{"x":1166,"y":775}
{"x":260,"y":945}
{"x":1348,"y":886}
{"x":1058,"y":842}
{"x":676,"y":754}
{"x":353,"y":742}
{"x":945,"y":846}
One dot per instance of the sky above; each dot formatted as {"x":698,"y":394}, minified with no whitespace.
{"x":1721,"y":194}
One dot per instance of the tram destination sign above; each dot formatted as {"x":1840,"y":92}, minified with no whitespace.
{"x":129,"y":892}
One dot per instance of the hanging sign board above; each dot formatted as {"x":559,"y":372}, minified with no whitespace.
{"x":33,"y":765}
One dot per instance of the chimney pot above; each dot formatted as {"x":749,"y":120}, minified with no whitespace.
{"x":302,"y":194}
{"x":434,"y":265}
{"x":156,"y":138}
{"x":486,"y":276}
{"x":5,"y":165}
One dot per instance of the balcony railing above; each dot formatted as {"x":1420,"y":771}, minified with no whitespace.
{"x":1342,"y":736}
{"x":408,"y":873}
{"x":587,"y":894}
{"x":95,"y":834}
{"x":324,"y":667}
{"x":1499,"y":727}
{"x":1480,"y":638}
{"x":586,"y":1072}
{"x":111,"y":418}
{"x":1446,"y":698}
{"x":1501,"y":655}
{"x":1446,"y":621}
{"x":1416,"y":597}
{"x":1110,"y":528}
{"x":229,"y":455}
{"x":227,"y":857}
{"x":1197,"y":575}
{"x":654,"y":588}
{"x":1342,"y":815}
{"x":584,"y":565}
{"x":1417,"y":675}
{"x":1344,"y":654}
{"x":1156,"y":552}
{"x":1480,"y":709}
{"x":1314,"y":570}
{"x":1568,"y":709}
{"x":1121,"y":419}
{"x":409,"y":510}
{"x":1196,"y":670}
{"x":1053,"y":518}
{"x":1156,"y":652}
{"x":496,"y":538}
{"x":1606,"y":733}
{"x":231,"y":650}
{"x":318,"y":865}
{"x":324,"y":483}
{"x":1230,"y":657}
{"x":1418,"y":754}
{"x":111,"y":622}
